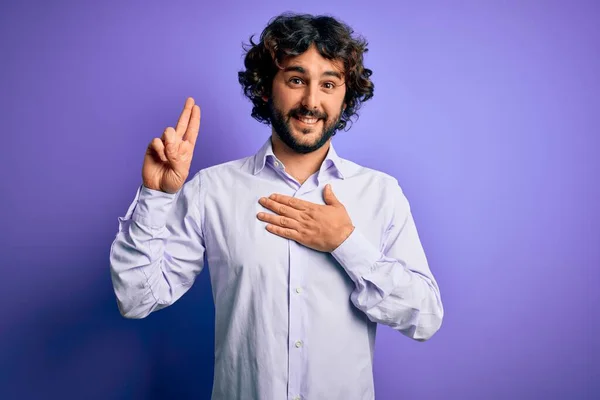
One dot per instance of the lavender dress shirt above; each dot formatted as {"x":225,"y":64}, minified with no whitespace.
{"x":290,"y":322}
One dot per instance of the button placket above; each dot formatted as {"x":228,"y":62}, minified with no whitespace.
{"x":297,"y":325}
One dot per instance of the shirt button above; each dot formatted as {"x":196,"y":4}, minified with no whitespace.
{"x":296,"y":398}
{"x":276,"y":163}
{"x":299,"y":343}
{"x":298,"y":290}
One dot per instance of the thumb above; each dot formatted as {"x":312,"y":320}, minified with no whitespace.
{"x":329,"y":197}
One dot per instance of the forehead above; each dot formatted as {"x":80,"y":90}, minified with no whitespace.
{"x":313,"y":63}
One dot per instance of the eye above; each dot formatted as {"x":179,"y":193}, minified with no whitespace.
{"x":296,"y":81}
{"x":329,"y":85}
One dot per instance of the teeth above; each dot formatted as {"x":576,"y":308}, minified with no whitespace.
{"x":308,"y":120}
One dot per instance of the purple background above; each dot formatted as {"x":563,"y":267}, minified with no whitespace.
{"x":487,"y":115}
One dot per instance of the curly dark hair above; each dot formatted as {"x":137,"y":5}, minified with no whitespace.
{"x":291,"y":34}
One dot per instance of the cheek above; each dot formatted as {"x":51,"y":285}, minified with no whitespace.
{"x":283,"y":103}
{"x":333,"y":113}
{"x":336,"y":105}
{"x":284,"y":98}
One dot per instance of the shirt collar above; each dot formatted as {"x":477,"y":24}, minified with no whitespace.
{"x":332,"y":159}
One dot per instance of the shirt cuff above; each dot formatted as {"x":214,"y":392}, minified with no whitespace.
{"x":153,"y":207}
{"x":356,"y":255}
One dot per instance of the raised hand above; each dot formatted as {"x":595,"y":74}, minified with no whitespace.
{"x":168,"y":159}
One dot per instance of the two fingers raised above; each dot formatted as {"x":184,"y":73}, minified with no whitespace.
{"x":189,"y":122}
{"x":173,"y":144}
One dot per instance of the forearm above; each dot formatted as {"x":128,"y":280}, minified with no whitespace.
{"x":136,"y":259}
{"x":157,"y":252}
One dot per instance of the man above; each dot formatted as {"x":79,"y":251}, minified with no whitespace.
{"x":307,"y":251}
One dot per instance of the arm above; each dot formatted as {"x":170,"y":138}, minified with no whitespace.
{"x":158,"y":250}
{"x":394,"y":286}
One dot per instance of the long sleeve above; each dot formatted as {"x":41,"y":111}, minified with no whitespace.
{"x":394,"y":285}
{"x":158,"y":250}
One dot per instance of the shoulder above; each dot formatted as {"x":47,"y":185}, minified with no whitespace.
{"x":222,"y":170}
{"x":390,"y":194}
{"x":382,"y":179}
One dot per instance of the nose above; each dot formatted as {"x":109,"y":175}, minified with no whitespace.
{"x":310,"y":100}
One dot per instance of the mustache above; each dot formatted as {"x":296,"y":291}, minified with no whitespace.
{"x":305,"y":112}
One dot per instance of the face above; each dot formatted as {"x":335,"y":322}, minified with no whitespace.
{"x":307,"y":100}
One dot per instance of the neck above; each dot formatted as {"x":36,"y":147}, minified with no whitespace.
{"x":300,"y":166}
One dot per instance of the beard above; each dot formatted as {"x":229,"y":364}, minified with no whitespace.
{"x":282,"y":126}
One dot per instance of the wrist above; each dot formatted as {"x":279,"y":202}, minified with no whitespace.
{"x":345,"y":234}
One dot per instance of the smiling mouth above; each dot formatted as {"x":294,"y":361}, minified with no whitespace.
{"x":307,"y":121}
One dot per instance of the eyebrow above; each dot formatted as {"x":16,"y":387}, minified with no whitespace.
{"x":301,"y":70}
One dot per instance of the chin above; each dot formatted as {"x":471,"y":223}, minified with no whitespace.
{"x":307,"y":138}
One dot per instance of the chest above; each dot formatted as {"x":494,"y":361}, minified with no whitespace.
{"x":240,"y":249}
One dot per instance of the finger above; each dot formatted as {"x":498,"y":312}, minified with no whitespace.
{"x":280,"y":208}
{"x":285,"y":233}
{"x":192,"y":130}
{"x":171,"y":140}
{"x":293,"y":202}
{"x":278,"y":220}
{"x":184,"y":118}
{"x":158,"y":147}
